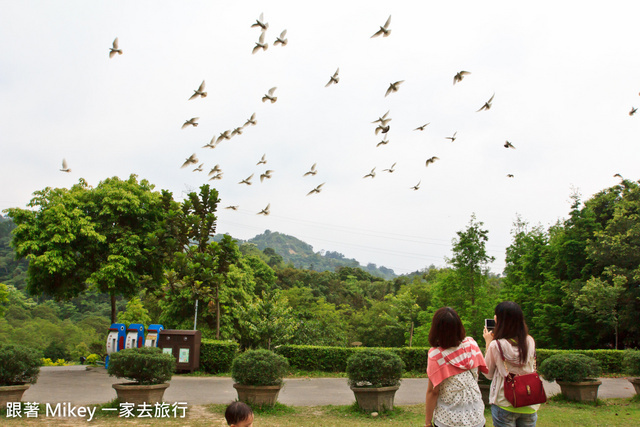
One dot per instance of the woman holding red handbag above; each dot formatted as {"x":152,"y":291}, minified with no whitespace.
{"x":511,"y":352}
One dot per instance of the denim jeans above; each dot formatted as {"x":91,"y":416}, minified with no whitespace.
{"x":502,"y":418}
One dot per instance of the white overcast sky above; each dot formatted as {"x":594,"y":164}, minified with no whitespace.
{"x":565,"y":75}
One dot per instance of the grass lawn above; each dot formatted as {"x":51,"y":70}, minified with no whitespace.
{"x":609,"y":412}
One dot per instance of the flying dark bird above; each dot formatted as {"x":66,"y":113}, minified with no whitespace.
{"x":269,"y":96}
{"x":113,"y":50}
{"x":281,"y":39}
{"x":384,"y":141}
{"x":333,"y":79}
{"x":383,"y":129}
{"x":260,"y":23}
{"x":199,"y":92}
{"x":251,"y":121}
{"x":383,"y":120}
{"x":316,"y":190}
{"x":422,"y":127}
{"x":507,"y":144}
{"x":391,"y":169}
{"x":452,"y":137}
{"x":417,"y":186}
{"x":459,"y":76}
{"x":431,"y":160}
{"x":265,"y":211}
{"x":260,"y":44}
{"x":263,"y":160}
{"x":191,"y":122}
{"x":192,"y":160}
{"x":633,"y":111}
{"x":233,"y":208}
{"x":371,"y":174}
{"x":246,"y":180}
{"x":487,"y":105}
{"x":65,"y":167}
{"x":384,"y":30}
{"x":312,"y":171}
{"x":509,"y":175}
{"x":393,"y":87}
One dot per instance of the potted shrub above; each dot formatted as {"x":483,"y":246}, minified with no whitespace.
{"x":374,"y":377}
{"x":258,"y":375}
{"x":576,"y":374}
{"x":631,"y":366}
{"x":19,"y":367}
{"x":148,"y":368}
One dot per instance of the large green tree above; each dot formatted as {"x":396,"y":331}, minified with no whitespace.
{"x":83,"y":237}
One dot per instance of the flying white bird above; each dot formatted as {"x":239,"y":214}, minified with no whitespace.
{"x":191,"y":122}
{"x":269,"y":96}
{"x":431,"y":160}
{"x":199,"y":92}
{"x":487,"y":105}
{"x":452,"y":137}
{"x":393,"y":87}
{"x":263,"y":160}
{"x":371,"y":174}
{"x":459,"y":76}
{"x":265,"y":211}
{"x":246,"y":180}
{"x":215,"y":169}
{"x":422,"y":127}
{"x":113,"y":50}
{"x":383,"y":120}
{"x":333,"y":79}
{"x":312,"y":171}
{"x":233,"y":208}
{"x":415,"y":187}
{"x":316,"y":190}
{"x":391,"y":169}
{"x":260,"y":44}
{"x":266,"y":174}
{"x":65,"y":167}
{"x":281,"y":39}
{"x":260,"y":23}
{"x":192,"y":159}
{"x":251,"y":121}
{"x":384,"y":30}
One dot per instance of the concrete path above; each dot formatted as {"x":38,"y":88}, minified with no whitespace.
{"x":79,"y":386}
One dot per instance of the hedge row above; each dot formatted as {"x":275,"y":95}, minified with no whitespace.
{"x":334,"y":359}
{"x":216,"y":356}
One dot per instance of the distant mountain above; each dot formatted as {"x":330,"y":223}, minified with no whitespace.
{"x":301,"y":255}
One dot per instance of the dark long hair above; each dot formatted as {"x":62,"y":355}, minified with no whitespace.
{"x":446,"y":329}
{"x":510,"y":324}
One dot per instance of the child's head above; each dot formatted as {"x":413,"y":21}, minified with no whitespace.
{"x":239,"y":414}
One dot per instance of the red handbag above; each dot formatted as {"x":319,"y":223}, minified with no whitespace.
{"x":522,"y":390}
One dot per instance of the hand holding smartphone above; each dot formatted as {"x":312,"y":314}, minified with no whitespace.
{"x":490,"y":324}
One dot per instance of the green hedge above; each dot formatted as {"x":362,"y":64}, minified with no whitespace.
{"x":610,"y":360}
{"x":334,"y":359}
{"x":217,"y":356}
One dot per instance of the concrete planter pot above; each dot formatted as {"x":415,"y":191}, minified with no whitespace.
{"x":138,"y":394}
{"x":636,"y":384}
{"x":264,"y":395}
{"x":375,"y":399}
{"x":11,"y":393}
{"x":584,"y":391}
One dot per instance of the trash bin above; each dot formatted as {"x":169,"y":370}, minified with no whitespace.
{"x":184,"y":345}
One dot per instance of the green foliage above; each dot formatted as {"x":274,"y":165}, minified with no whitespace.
{"x":4,"y":298}
{"x":144,"y":365}
{"x":80,"y":350}
{"x":374,"y":368}
{"x":317,"y":358}
{"x":56,"y":350}
{"x":18,"y":365}
{"x":570,"y":367}
{"x":259,"y":367}
{"x":268,"y":320}
{"x":217,"y":356}
{"x":93,"y":359}
{"x":631,"y":362}
{"x":135,"y":313}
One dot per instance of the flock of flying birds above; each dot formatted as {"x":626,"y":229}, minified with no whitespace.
{"x":382,"y":123}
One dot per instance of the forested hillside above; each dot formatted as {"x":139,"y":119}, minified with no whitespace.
{"x":578,"y":281}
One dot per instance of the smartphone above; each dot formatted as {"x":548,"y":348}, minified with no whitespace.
{"x":490,"y":324}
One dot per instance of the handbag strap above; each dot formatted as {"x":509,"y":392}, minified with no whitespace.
{"x":503,"y":358}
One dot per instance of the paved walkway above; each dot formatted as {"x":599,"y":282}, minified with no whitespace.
{"x":79,"y":386}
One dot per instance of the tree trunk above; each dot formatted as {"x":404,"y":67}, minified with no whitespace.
{"x":217,"y":312}
{"x":113,"y":308}
{"x":411,"y":335}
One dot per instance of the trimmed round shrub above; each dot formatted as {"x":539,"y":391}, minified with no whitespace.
{"x":145,"y":365}
{"x":631,"y":362}
{"x":570,"y":368}
{"x":374,"y":368}
{"x":259,"y":367}
{"x":18,"y":365}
